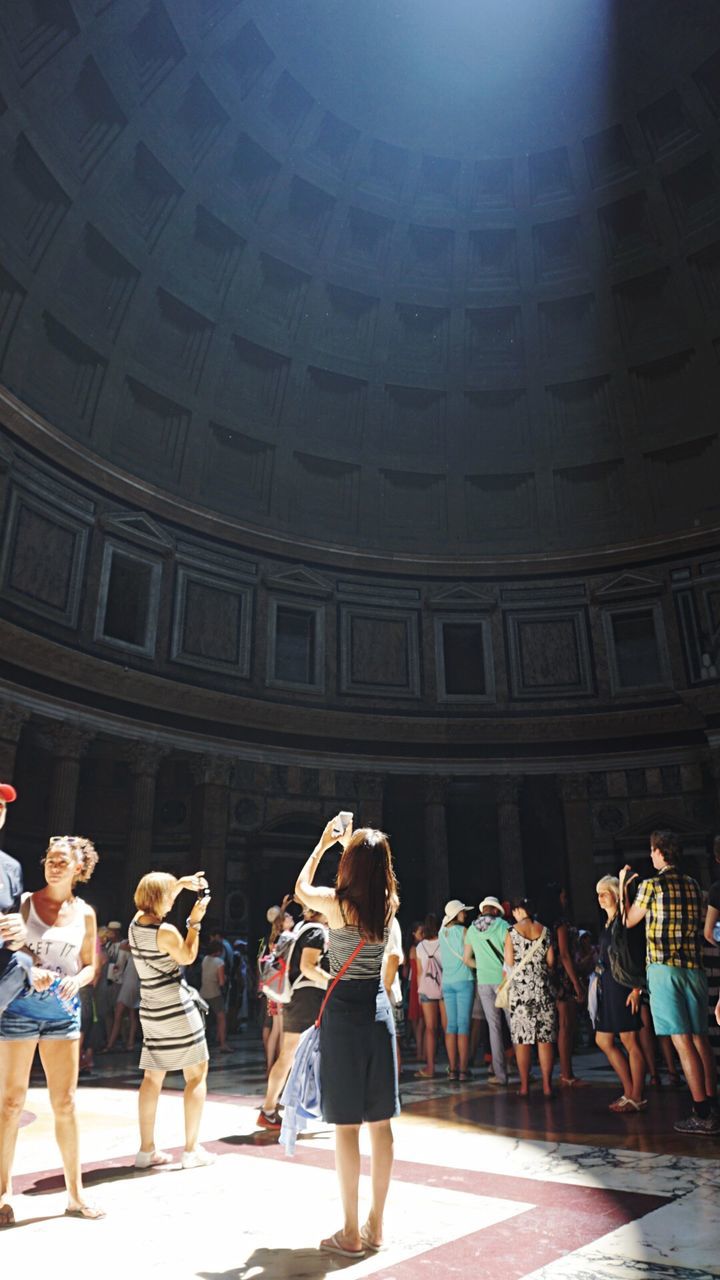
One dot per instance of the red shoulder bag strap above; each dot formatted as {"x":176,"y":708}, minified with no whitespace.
{"x":337,"y":978}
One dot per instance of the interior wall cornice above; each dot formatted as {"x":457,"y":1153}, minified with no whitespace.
{"x":34,"y":431}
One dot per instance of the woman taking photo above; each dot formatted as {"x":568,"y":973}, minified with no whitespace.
{"x":358,"y":1072}
{"x":458,"y":989}
{"x":618,"y":1012}
{"x":172,"y":1023}
{"x":61,"y":934}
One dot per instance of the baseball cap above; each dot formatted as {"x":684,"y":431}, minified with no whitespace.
{"x":7,"y":793}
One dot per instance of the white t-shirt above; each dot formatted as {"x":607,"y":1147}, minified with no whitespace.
{"x":209,"y":985}
{"x":393,"y":947}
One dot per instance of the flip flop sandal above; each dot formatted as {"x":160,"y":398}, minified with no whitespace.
{"x":368,"y":1243}
{"x":89,"y":1212}
{"x":332,"y":1245}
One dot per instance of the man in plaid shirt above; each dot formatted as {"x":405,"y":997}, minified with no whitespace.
{"x":670,"y":903}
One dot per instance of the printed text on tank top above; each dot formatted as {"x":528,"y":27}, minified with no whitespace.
{"x":56,"y":946}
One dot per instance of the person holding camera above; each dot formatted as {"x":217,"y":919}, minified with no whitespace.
{"x":171,"y":1012}
{"x":358,"y":1064}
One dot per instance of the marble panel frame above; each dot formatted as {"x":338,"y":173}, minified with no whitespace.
{"x":347,"y":685}
{"x":519,"y":690}
{"x":483,"y":621}
{"x":239,"y":668}
{"x":112,"y":547}
{"x":317,"y":684}
{"x":66,"y":516}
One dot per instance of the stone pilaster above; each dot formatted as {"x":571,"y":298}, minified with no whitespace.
{"x":67,"y":743}
{"x":437,"y":866}
{"x":12,"y":719}
{"x":582,"y":874}
{"x":210,"y":812}
{"x":512,"y":867}
{"x":370,"y":792}
{"x":144,"y":760}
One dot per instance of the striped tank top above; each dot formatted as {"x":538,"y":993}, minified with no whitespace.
{"x":367,"y":963}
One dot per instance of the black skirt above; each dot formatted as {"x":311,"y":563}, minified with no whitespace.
{"x":613,"y":1013}
{"x":358,"y":1062}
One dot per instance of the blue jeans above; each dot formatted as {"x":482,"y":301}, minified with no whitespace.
{"x":14,"y":979}
{"x":458,"y":997}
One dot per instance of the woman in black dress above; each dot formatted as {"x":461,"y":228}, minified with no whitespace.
{"x":618,"y":1012}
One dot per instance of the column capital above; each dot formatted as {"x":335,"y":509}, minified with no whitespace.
{"x":12,"y":719}
{"x":436,"y":789}
{"x":573,"y":786}
{"x":507,"y":788}
{"x":143,"y":758}
{"x":66,"y":741}
{"x":211,"y":770}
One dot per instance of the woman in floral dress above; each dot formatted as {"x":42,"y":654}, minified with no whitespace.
{"x":533,"y":1017}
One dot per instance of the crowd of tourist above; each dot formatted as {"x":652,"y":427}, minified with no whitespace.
{"x":341,"y":997}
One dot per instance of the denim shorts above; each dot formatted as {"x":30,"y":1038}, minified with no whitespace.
{"x":40,"y":1015}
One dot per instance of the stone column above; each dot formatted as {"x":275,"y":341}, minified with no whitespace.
{"x":144,"y":761}
{"x":12,"y":719}
{"x":582,"y":874}
{"x":512,"y":868}
{"x":210,"y":804}
{"x":437,"y":868}
{"x":67,"y":743}
{"x":370,"y":790}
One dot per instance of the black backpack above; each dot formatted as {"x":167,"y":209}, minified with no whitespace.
{"x":626,"y":964}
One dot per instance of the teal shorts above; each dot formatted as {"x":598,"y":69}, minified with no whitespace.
{"x":678,"y":1000}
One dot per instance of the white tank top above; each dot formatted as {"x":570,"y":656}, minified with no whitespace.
{"x":57,"y":947}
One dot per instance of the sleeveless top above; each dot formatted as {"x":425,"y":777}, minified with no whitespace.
{"x":57,"y":947}
{"x":367,"y":963}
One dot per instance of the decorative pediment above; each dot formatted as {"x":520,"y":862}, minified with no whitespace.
{"x":463,"y":596}
{"x":301,"y":581}
{"x":661,"y":820}
{"x":628,"y":585}
{"x":135,"y":526}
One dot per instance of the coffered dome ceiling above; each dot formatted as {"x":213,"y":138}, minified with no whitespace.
{"x":408,"y":275}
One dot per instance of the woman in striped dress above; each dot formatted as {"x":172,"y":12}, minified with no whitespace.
{"x":172,"y":1024}
{"x":358,"y":1061}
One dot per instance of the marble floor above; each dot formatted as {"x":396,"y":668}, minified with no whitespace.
{"x":484,"y":1184}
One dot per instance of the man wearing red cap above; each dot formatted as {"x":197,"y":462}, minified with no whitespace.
{"x":14,"y":966}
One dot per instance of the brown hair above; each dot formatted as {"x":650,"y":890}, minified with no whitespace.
{"x":668,"y":844}
{"x":430,"y":927}
{"x":153,"y":891}
{"x":83,"y":851}
{"x":366,"y":882}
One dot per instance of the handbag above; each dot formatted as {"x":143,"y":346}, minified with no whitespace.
{"x":502,"y":995}
{"x":626,"y":968}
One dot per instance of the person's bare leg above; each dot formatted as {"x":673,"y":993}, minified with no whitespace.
{"x":272,"y":1048}
{"x":15,"y":1062}
{"x":60,"y":1060}
{"x":280,"y":1070}
{"x":451,"y":1048}
{"x":381,"y":1163}
{"x":430,"y":1015}
{"x":347,"y":1166}
{"x":692,"y":1066}
{"x":222,"y":1031}
{"x":666,"y":1049}
{"x":148,"y":1095}
{"x":605,"y":1041}
{"x":647,"y":1042}
{"x":636,"y":1059}
{"x":523,"y":1055}
{"x":706,"y":1056}
{"x":116,"y":1026}
{"x":132,"y":1028}
{"x":194,"y":1101}
{"x":567,"y":1017}
{"x":546,"y":1056}
{"x":463,"y":1053}
{"x":419,"y":1030}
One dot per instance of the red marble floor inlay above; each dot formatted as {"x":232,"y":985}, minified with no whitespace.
{"x":563,"y":1217}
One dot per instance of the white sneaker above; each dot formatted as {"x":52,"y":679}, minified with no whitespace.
{"x":197,"y":1159}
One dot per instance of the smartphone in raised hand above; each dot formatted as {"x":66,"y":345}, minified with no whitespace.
{"x":341,"y":823}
